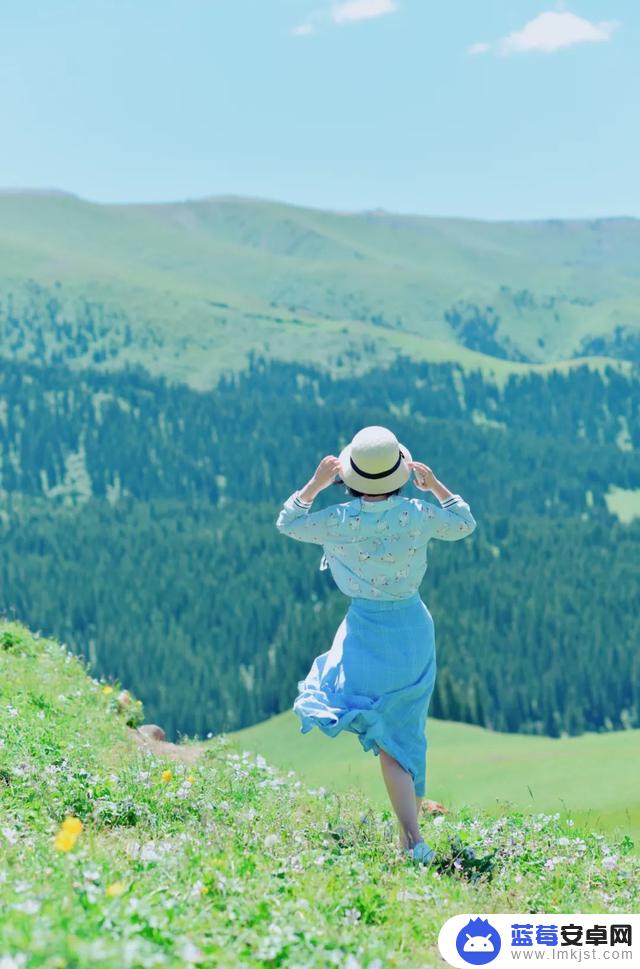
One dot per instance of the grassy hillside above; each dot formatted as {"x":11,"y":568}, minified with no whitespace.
{"x":189,"y":288}
{"x":470,"y":768}
{"x":114,"y":856}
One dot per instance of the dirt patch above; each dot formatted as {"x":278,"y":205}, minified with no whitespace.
{"x":185,"y":753}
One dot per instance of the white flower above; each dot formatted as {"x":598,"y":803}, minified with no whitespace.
{"x":352,"y":915}
{"x":271,"y":840}
{"x":224,"y":805}
{"x":260,"y":762}
{"x":148,"y":852}
{"x":438,"y":820}
{"x":352,"y":963}
{"x":610,"y":862}
{"x":570,"y":823}
{"x":13,"y":962}
{"x":40,"y":714}
{"x":11,"y":835}
{"x":29,"y":906}
{"x":191,"y":953}
{"x":320,"y":860}
{"x":12,"y":711}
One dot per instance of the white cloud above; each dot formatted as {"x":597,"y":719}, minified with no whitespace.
{"x":352,"y":10}
{"x":303,"y":30}
{"x":550,"y":31}
{"x":480,"y":48}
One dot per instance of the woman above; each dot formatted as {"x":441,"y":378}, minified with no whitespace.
{"x":378,"y":676}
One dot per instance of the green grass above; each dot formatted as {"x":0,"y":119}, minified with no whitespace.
{"x":590,"y":778}
{"x":214,"y":278}
{"x":231,"y":862}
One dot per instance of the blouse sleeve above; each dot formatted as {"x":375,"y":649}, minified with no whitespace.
{"x":297,"y":521}
{"x":449,"y":521}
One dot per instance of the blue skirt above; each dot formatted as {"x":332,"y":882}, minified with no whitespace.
{"x":376,"y":681}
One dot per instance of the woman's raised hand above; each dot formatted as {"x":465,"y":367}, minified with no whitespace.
{"x":423,"y":475}
{"x":326,"y":472}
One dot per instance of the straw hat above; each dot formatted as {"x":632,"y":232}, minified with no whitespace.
{"x":375,"y":462}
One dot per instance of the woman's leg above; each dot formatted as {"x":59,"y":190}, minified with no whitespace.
{"x":400,"y":788}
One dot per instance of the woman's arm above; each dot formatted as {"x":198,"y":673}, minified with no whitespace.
{"x":453,"y":520}
{"x":295,"y":519}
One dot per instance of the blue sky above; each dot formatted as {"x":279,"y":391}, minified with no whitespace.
{"x":483,"y":108}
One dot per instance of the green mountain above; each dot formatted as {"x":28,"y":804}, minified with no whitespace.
{"x":189,"y":288}
{"x":121,"y":855}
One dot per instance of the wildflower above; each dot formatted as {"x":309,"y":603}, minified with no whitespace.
{"x":609,"y":862}
{"x":148,"y":852}
{"x":106,"y":689}
{"x":115,"y":889}
{"x":351,"y":916}
{"x":10,"y":834}
{"x":12,"y":711}
{"x":166,"y":775}
{"x":72,"y":825}
{"x":191,"y":952}
{"x":271,"y":840}
{"x":438,"y":820}
{"x":13,"y":962}
{"x":65,"y":840}
{"x":190,"y":779}
{"x":260,"y":762}
{"x":30,"y":906}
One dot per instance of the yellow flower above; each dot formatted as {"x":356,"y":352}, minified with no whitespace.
{"x":115,"y":889}
{"x":190,"y":779}
{"x":166,"y":775}
{"x":107,"y":690}
{"x":204,"y":890}
{"x":72,"y":825}
{"x":65,"y":840}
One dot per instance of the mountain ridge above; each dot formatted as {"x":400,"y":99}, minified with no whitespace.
{"x":214,"y":278}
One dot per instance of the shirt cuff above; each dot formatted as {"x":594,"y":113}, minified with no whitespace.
{"x":300,"y":502}
{"x":453,"y":500}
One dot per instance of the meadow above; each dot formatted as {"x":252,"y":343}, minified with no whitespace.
{"x":593,"y":778}
{"x":115,"y":857}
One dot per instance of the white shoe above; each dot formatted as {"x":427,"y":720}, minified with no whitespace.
{"x":421,"y":852}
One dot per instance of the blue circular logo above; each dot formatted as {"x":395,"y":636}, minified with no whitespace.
{"x":478,"y":943}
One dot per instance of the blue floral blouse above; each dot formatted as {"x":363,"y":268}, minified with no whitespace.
{"x":376,"y":549}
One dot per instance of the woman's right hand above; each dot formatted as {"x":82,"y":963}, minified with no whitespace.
{"x":326,"y":472}
{"x":424,"y":477}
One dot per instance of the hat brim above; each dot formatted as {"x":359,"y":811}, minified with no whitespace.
{"x":375,"y":486}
